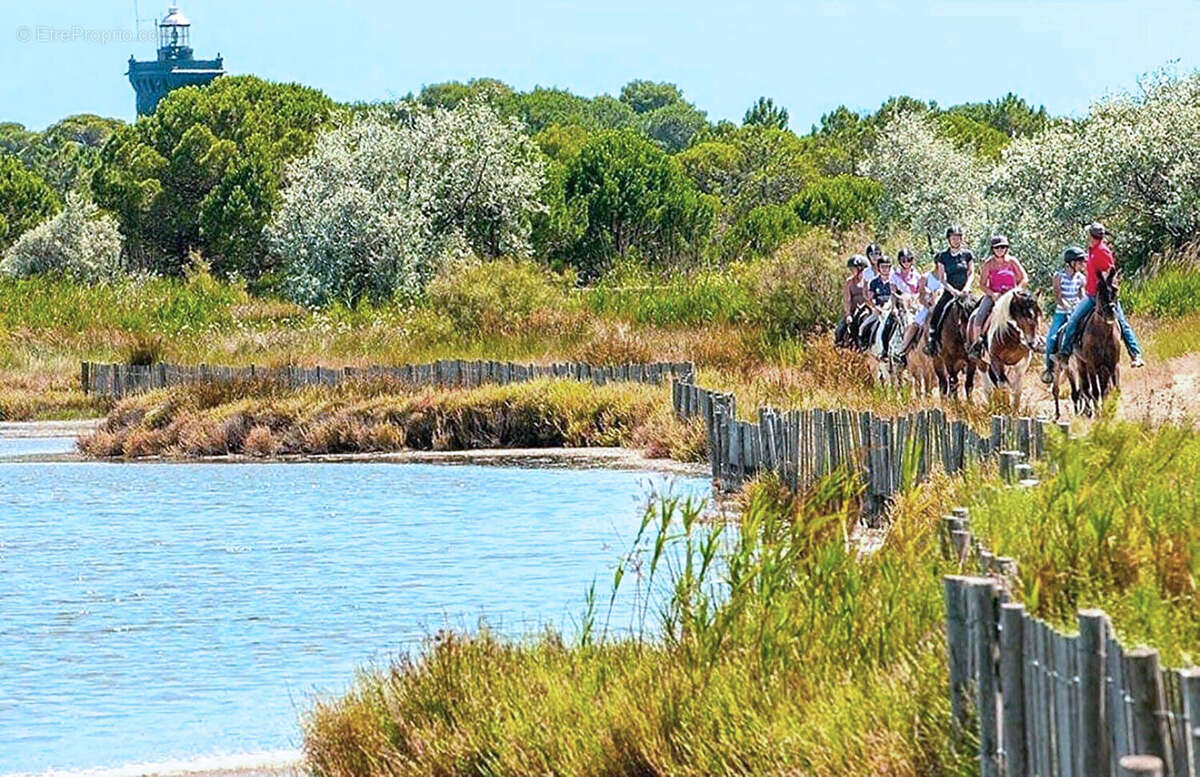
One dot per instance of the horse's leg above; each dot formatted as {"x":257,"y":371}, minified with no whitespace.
{"x":970,"y":385}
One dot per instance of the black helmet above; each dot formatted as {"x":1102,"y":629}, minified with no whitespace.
{"x":874,"y":248}
{"x":1074,"y":254}
{"x":857,"y":262}
{"x":904,"y":253}
{"x":884,"y":260}
{"x":998,"y":241}
{"x":1096,"y":229}
{"x":953,"y":229}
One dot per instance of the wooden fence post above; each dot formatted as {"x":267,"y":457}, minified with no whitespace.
{"x":1012,"y":689}
{"x":1149,"y":711}
{"x":981,"y":617}
{"x":1189,"y":685}
{"x":954,"y":588}
{"x":1093,"y":710}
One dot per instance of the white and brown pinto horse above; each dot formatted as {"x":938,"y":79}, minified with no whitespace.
{"x":1011,"y":340}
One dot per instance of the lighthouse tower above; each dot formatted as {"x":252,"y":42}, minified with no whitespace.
{"x":175,"y":65}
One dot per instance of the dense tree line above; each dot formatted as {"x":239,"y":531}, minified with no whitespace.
{"x":248,"y":173}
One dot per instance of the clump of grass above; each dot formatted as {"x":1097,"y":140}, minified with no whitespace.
{"x":259,"y":417}
{"x":1172,"y":293}
{"x":1115,"y":524}
{"x":771,"y":648}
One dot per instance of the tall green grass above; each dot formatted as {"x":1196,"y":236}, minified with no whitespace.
{"x":1171,"y":293}
{"x":1115,"y":524}
{"x":769,"y":647}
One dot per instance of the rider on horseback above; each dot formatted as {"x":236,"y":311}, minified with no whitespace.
{"x":854,"y":297}
{"x":955,"y":268}
{"x":1099,"y":259}
{"x":1068,"y":291}
{"x":907,"y":284}
{"x":999,"y":274}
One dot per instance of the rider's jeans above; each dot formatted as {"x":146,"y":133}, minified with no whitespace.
{"x":1077,"y":315}
{"x":1055,"y":325}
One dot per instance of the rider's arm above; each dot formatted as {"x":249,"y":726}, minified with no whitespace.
{"x":1022,"y":276}
{"x":846,"y":298}
{"x":1058,"y":299}
{"x":970,"y":278}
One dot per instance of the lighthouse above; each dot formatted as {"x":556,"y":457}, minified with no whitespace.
{"x":175,"y":66}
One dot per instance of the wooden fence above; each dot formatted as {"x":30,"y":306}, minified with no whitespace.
{"x":119,"y":380}
{"x":1048,"y":704}
{"x":804,"y":445}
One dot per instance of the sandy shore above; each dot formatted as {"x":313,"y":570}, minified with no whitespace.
{"x":30,"y":429}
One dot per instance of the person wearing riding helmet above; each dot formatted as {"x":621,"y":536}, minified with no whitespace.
{"x":1001,"y":273}
{"x":854,"y":293}
{"x":1099,"y":260}
{"x":874,"y":254}
{"x":1068,"y":291}
{"x":881,"y":286}
{"x":906,"y":283}
{"x":955,"y":269}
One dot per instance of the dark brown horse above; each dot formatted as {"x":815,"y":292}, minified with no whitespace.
{"x":951,"y":357}
{"x":1011,"y":339}
{"x":1093,"y":369}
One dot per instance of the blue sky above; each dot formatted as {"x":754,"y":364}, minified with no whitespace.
{"x":809,"y":56}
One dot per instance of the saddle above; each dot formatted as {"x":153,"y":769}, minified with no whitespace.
{"x":1079,"y":330}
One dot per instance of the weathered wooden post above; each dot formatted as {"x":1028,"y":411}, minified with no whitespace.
{"x":1012,"y":689}
{"x":1189,"y":686}
{"x":1148,"y":708}
{"x":1093,"y":710}
{"x":954,"y":591}
{"x":1141,"y":766}
{"x":981,"y":623}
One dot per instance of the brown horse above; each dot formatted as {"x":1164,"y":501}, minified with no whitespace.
{"x":951,"y":357}
{"x":1093,"y":369}
{"x":1011,"y":340}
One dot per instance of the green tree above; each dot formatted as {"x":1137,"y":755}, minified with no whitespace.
{"x":761,"y":231}
{"x":839,"y":202}
{"x":967,"y":134}
{"x":715,"y":167}
{"x":66,"y":153}
{"x":203,"y":171}
{"x":1010,"y":115}
{"x":765,"y":113}
{"x":632,"y":198}
{"x":673,"y":126}
{"x":25,"y":200}
{"x":645,"y":96}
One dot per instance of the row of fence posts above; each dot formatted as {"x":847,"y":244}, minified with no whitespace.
{"x":119,"y":380}
{"x":1048,"y":704}
{"x":802,"y":446}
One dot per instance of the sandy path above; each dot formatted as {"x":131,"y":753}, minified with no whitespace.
{"x":1161,"y":392}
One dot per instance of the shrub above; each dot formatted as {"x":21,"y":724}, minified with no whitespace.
{"x":80,"y":242}
{"x":379,"y":205}
{"x":761,"y":231}
{"x":25,"y":199}
{"x":493,"y":297}
{"x":799,"y":287}
{"x":839,"y":202}
{"x":1171,"y":293}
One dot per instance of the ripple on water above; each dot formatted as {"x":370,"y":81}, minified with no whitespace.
{"x":172,"y":611}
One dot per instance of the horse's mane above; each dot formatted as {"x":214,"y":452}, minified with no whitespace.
{"x":1002,"y":312}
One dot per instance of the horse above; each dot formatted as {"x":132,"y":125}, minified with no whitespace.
{"x":1010,"y":340}
{"x":920,"y":365}
{"x":950,"y":358}
{"x":1094,"y":368}
{"x":885,"y":336}
{"x":848,"y":335}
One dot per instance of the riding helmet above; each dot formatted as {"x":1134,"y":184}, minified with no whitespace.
{"x":953,"y":229}
{"x":998,"y":241}
{"x":858,"y":261}
{"x":1096,"y":229}
{"x":904,"y":253}
{"x":1074,"y":254}
{"x":874,"y":248}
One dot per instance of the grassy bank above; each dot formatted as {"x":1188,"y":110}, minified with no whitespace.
{"x":261,"y":418}
{"x":1116,"y":526}
{"x":771,"y":649}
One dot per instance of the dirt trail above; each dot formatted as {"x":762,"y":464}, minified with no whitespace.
{"x":1161,"y":392}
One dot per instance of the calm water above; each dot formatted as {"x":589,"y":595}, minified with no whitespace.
{"x":165,"y":611}
{"x":35,"y":446}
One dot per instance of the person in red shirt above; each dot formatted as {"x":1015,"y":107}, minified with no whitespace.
{"x":1100,"y":259}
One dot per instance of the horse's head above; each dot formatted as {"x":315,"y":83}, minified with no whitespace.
{"x":1107,"y":288}
{"x":1025,"y":311}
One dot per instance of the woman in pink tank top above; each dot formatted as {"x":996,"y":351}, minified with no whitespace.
{"x":1000,"y":273}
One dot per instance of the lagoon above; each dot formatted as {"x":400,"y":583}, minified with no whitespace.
{"x":165,"y":611}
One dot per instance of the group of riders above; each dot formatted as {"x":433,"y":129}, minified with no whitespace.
{"x":894,"y":311}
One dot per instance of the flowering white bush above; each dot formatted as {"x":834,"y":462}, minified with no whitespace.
{"x":928,"y":183}
{"x":80,"y":241}
{"x":1130,"y":163}
{"x":379,"y":204}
